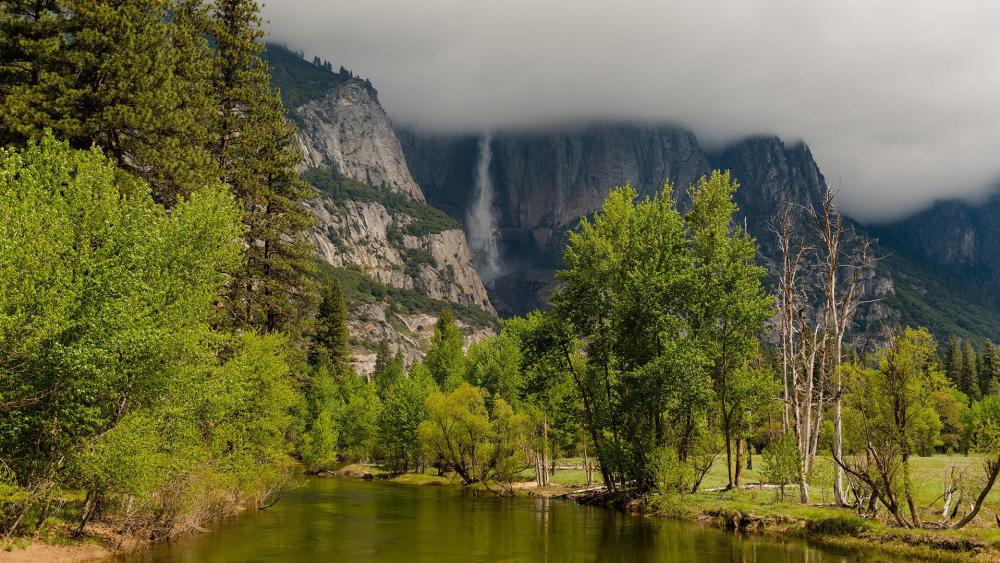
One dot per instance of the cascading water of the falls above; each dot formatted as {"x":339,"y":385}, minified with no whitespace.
{"x":481,"y":220}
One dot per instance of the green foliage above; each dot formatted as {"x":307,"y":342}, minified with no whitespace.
{"x":890,"y":409}
{"x":358,"y":419}
{"x":950,"y":405}
{"x":494,"y":364}
{"x":945,"y":304}
{"x":987,"y":426}
{"x":954,"y":360}
{"x":781,"y":462}
{"x":989,"y":369}
{"x":248,"y":405}
{"x":120,"y":75}
{"x":504,"y":448}
{"x":403,"y":409}
{"x":478,"y":445}
{"x":670,"y":309}
{"x":331,"y":339}
{"x":321,"y":433}
{"x":389,"y":369}
{"x":423,"y":219}
{"x":969,"y":380}
{"x":113,"y":379}
{"x":256,"y":154}
{"x":298,"y":81}
{"x":457,"y":424}
{"x":446,"y":358}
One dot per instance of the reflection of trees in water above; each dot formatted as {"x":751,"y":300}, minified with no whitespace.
{"x":622,"y":535}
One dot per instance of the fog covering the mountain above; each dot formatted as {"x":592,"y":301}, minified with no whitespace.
{"x":899,"y":100}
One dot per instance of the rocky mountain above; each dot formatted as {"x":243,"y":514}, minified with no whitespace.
{"x":382,"y":232}
{"x":950,"y":235}
{"x":399,"y":260}
{"x":543,"y":182}
{"x":954,"y":247}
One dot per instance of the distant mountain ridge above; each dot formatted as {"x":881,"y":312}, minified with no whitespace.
{"x":545,"y":181}
{"x":377,"y":183}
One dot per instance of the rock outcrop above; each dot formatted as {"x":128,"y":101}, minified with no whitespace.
{"x":348,"y":130}
{"x":544,"y":183}
{"x":373,"y":225}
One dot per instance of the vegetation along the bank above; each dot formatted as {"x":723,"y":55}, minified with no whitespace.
{"x":169,"y":353}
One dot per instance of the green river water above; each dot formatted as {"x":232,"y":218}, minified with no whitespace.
{"x":339,"y":519}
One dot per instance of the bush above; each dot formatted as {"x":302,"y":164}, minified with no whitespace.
{"x":845,"y":525}
{"x":781,"y":462}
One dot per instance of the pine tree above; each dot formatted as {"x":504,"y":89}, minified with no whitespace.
{"x":970,"y":373}
{"x":129,"y":76}
{"x":255,"y":151}
{"x":953,"y":360}
{"x":989,"y":369}
{"x":389,"y":368}
{"x":332,"y":338}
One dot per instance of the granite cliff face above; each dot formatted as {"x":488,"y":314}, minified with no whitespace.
{"x":399,"y":260}
{"x":545,"y":182}
{"x":951,"y":234}
{"x":348,"y":130}
{"x":772,"y":174}
{"x":938,"y":268}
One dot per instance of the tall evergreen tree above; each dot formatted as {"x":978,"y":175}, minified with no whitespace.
{"x":953,"y":360}
{"x":989,"y":369}
{"x":970,"y":372}
{"x":255,"y":151}
{"x":130,"y":76}
{"x":331,"y":341}
{"x":389,"y":368}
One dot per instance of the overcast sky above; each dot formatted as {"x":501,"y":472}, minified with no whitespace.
{"x":898,"y":99}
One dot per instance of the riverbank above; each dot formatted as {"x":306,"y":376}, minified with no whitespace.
{"x":753,"y":510}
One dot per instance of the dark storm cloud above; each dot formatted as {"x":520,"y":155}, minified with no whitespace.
{"x":899,"y":100}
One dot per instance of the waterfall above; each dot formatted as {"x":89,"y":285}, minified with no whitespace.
{"x":481,"y":220}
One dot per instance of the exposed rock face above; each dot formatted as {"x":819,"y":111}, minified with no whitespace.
{"x":544,"y":183}
{"x":348,"y":130}
{"x":952,"y":234}
{"x":771,"y":174}
{"x":357,"y":234}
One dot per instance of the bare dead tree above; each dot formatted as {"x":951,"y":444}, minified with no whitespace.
{"x":843,"y":274}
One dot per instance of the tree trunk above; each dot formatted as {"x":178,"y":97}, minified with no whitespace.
{"x":739,"y":462}
{"x":994,"y":468}
{"x":545,"y":452}
{"x":838,"y":448}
